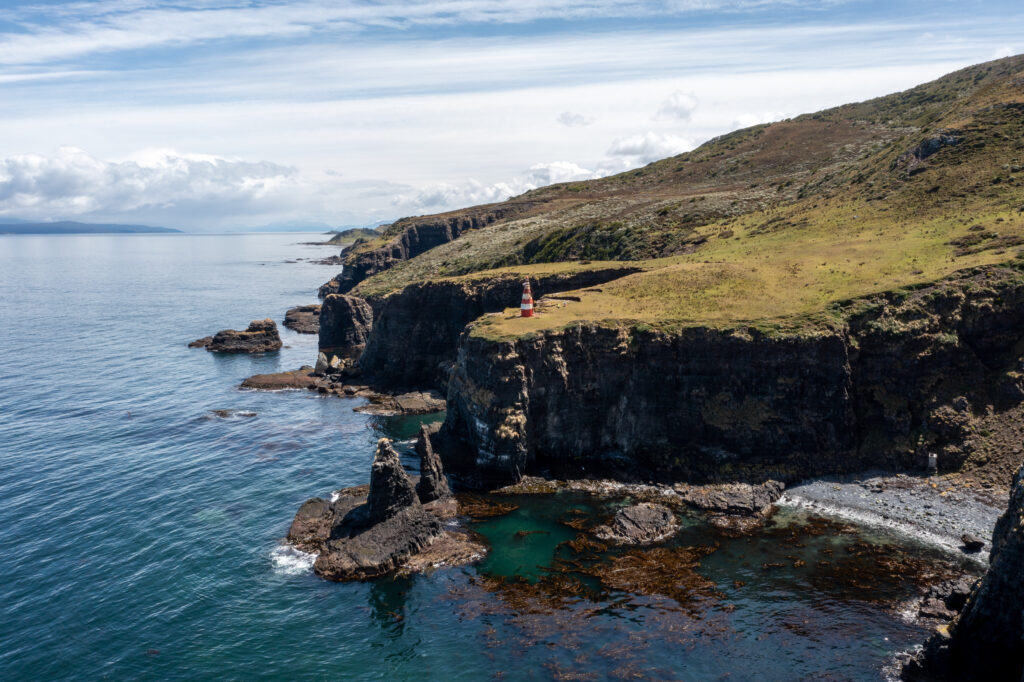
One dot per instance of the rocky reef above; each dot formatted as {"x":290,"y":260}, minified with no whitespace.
{"x":304,"y":319}
{"x":641,"y":524}
{"x":261,"y":336}
{"x":393,"y":523}
{"x":877,"y":383}
{"x":986,"y":640}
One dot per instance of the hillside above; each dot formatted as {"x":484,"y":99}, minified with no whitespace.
{"x":832,"y":293}
{"x":768,"y":221}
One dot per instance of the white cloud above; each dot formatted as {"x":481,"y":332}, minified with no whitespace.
{"x":153,"y":182}
{"x":650,"y":146}
{"x":445,"y":196}
{"x":573,"y":120}
{"x":678,"y":106}
{"x":1004,"y":51}
{"x":745,"y":120}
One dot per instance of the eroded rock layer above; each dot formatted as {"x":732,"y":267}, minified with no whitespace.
{"x":878,"y":384}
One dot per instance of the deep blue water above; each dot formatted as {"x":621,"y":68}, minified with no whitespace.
{"x":139,"y":534}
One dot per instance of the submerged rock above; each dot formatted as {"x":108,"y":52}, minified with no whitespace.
{"x":641,"y":524}
{"x":261,"y":336}
{"x":432,"y":484}
{"x":305,"y":319}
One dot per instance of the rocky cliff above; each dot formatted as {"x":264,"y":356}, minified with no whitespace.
{"x":415,"y":332}
{"x":986,"y":641}
{"x":411,"y":237}
{"x":876,"y":382}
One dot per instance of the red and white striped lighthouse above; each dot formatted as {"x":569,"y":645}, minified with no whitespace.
{"x":526,"y":309}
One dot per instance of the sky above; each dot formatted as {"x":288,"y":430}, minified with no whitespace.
{"x":225,"y":115}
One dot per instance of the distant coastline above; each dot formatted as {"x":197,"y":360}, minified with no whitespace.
{"x":71,"y":227}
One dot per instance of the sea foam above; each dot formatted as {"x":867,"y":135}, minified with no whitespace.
{"x":290,"y":561}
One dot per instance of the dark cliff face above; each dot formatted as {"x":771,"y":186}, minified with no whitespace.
{"x":986,"y":641}
{"x":894,"y":377}
{"x":416,"y":331}
{"x":416,"y":236}
{"x":345,"y":323}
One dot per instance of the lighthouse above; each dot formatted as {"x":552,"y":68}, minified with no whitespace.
{"x":526,"y":309}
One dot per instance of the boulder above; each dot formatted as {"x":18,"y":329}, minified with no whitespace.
{"x":972,"y":543}
{"x":260,"y":337}
{"x":432,"y":484}
{"x":345,"y":323}
{"x":322,"y":365}
{"x":305,"y":319}
{"x":641,"y":524}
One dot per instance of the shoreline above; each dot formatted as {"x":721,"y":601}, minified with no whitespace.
{"x":934,"y":510}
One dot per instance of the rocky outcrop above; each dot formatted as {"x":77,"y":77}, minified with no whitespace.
{"x":201,"y":343}
{"x":367,"y":531}
{"x":641,"y":524}
{"x":345,"y":323}
{"x":279,"y":381}
{"x":260,"y":336}
{"x":703,"y":405}
{"x":416,"y":331}
{"x":412,"y":403}
{"x":986,"y":641}
{"x":738,"y":499}
{"x":304,"y":319}
{"x":432,"y":484}
{"x":413,"y":236}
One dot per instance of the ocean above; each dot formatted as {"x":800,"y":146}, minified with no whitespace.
{"x":140,"y":533}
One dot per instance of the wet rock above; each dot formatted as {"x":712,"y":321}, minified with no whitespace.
{"x":260,"y":336}
{"x":201,"y":343}
{"x":972,"y":543}
{"x":641,"y":524}
{"x":345,"y":323}
{"x":432,"y":484}
{"x":986,"y":641}
{"x":305,"y":319}
{"x":737,"y":499}
{"x":311,"y":526}
{"x":300,"y":378}
{"x":945,"y":600}
{"x":417,"y":402}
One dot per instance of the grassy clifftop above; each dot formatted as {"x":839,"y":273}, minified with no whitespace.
{"x":776,"y":221}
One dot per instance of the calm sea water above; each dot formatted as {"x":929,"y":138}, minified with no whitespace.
{"x":139,"y":534}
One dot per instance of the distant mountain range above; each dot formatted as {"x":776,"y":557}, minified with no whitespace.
{"x":72,"y":227}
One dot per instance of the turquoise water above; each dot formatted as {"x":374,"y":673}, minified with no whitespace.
{"x":139,"y":534}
